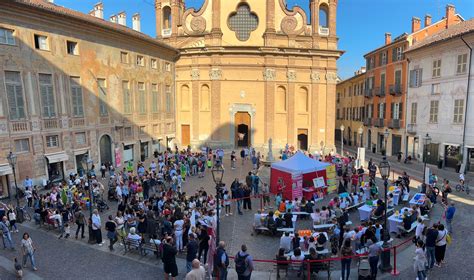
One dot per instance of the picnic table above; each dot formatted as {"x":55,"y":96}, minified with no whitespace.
{"x":365,"y":210}
{"x":290,"y":230}
{"x":323,"y":226}
{"x":418,"y":199}
{"x":396,"y":220}
{"x":396,"y":195}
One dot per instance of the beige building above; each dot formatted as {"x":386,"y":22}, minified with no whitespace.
{"x":74,"y":85}
{"x":253,"y":70}
{"x":350,"y":109}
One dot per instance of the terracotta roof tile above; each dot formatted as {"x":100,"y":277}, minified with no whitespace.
{"x":62,"y":11}
{"x":452,"y":32}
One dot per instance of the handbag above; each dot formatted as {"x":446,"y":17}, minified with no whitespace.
{"x":448,"y":239}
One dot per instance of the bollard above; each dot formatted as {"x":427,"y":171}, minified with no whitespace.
{"x":394,"y":271}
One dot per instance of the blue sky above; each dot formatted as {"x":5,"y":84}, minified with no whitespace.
{"x":361,"y":24}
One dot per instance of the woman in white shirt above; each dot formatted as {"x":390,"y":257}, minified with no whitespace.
{"x":440,"y":248}
{"x":178,"y":232}
{"x":419,"y":229}
{"x":316,"y":217}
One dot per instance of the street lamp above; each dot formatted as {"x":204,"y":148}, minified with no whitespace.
{"x":12,"y":161}
{"x":384,"y":168}
{"x":385,"y":138}
{"x":360,"y":131}
{"x":88,"y":163}
{"x":426,"y":142}
{"x":342,"y":140}
{"x":217,"y":175}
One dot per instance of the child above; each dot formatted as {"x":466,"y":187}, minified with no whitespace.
{"x":227,"y":204}
{"x":67,"y":230}
{"x":18,"y":269}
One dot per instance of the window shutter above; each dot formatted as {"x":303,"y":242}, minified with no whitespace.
{"x":400,"y":110}
{"x":384,"y":110}
{"x":391,"y":110}
{"x":412,"y":78}
{"x":394,"y":54}
{"x":44,"y":100}
{"x":12,"y":102}
{"x":19,"y":101}
{"x":420,"y":76}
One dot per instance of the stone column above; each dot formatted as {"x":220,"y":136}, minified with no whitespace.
{"x":195,"y":89}
{"x":174,"y":17}
{"x":270,"y":16}
{"x":315,"y":140}
{"x":314,"y":9}
{"x":291,"y":112}
{"x":269,"y":104}
{"x":332,"y":17}
{"x":330,"y":103}
{"x":215,"y":75}
{"x":158,"y":18}
{"x":30,"y":86}
{"x":216,"y":17}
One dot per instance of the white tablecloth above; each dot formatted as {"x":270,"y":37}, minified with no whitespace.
{"x":394,"y":221}
{"x":364,"y":212}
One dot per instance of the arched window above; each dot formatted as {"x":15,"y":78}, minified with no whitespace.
{"x":280,"y":100}
{"x":323,"y":15}
{"x":166,"y":17}
{"x":185,"y":98}
{"x":205,"y":98}
{"x":302,"y":100}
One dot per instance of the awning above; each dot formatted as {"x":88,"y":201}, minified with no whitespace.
{"x":145,"y":140}
{"x":81,"y":151}
{"x":451,"y":144}
{"x":5,"y":170}
{"x":53,"y":158}
{"x":129,"y":143}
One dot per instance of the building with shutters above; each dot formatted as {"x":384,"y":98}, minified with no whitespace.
{"x":387,"y":83}
{"x":440,"y":97}
{"x":250,"y":71}
{"x":74,"y":84}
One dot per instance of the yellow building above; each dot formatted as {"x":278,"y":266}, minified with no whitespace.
{"x":350,"y":109}
{"x":253,"y":70}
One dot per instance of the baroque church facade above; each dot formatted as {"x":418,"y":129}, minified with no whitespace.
{"x":253,"y":70}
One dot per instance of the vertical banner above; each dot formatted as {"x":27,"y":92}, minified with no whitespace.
{"x":296,"y":185}
{"x":427,"y":175}
{"x":331,"y":181}
{"x":118,"y":158}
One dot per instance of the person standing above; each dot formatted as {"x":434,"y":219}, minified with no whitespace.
{"x":6,"y":234}
{"x":221,"y":261}
{"x":374,"y":253}
{"x":440,"y":248}
{"x":80,"y":222}
{"x":169,"y":259}
{"x":346,"y":253}
{"x":191,"y":253}
{"x":96,"y":227}
{"x":419,"y":264}
{"x":232,"y":160}
{"x":110,"y":227}
{"x":430,"y":244}
{"x":203,"y":243}
{"x":28,"y":249}
{"x":243,"y":264}
{"x":450,"y":210}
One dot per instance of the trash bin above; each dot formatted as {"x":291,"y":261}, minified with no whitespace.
{"x":19,"y":215}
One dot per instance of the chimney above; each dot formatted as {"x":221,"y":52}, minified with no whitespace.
{"x":450,"y":12}
{"x":415,"y":24}
{"x":427,"y":20}
{"x":113,"y":18}
{"x":99,"y":10}
{"x":122,"y":18}
{"x":388,"y":38}
{"x":136,"y":22}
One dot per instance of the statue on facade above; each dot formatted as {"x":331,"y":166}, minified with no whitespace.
{"x":270,"y":153}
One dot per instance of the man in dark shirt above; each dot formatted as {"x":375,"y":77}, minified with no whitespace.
{"x":169,"y":259}
{"x":379,"y":211}
{"x":192,"y":250}
{"x":431,"y":236}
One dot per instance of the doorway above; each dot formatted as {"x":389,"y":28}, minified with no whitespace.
{"x":105,"y":145}
{"x":144,"y":151}
{"x":303,"y":139}
{"x":185,"y":135}
{"x":242,"y":129}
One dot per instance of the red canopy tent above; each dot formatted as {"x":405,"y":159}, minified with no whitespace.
{"x":288,"y":176}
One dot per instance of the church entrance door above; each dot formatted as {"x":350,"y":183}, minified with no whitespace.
{"x":242,"y":129}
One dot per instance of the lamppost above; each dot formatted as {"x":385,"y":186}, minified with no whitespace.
{"x":342,"y":140}
{"x":360,"y":131}
{"x":12,"y":161}
{"x":385,"y":138}
{"x":426,"y":142}
{"x":217,"y":175}
{"x":88,"y":163}
{"x":384,"y":168}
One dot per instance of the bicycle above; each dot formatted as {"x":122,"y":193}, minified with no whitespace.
{"x":462,"y":188}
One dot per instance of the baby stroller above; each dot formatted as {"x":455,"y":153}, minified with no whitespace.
{"x":111,"y":194}
{"x":364,"y":268}
{"x":101,"y":205}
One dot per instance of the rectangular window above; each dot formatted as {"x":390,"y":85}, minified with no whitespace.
{"x":124,"y":57}
{"x":6,"y":37}
{"x":436,"y":68}
{"x":140,"y":60}
{"x":154,"y":63}
{"x":168,"y":67}
{"x":413,"y":112}
{"x":384,"y":58}
{"x":169,"y":105}
{"x":142,"y":130}
{"x":395,"y":111}
{"x":458,"y":110}
{"x":77,"y":101}
{"x":22,"y":145}
{"x":434,"y":111}
{"x":16,"y":101}
{"x":338,"y":117}
{"x":462,"y":63}
{"x":128,"y":132}
{"x":155,"y":101}
{"x":102,"y":86}
{"x":127,"y":98}
{"x":399,"y":53}
{"x":80,"y":138}
{"x":435,"y":89}
{"x":141,"y":98}
{"x":398,"y":78}
{"x":52,"y":141}
{"x":47,"y":95}
{"x":41,"y":42}
{"x":416,"y":76}
{"x":381,"y":110}
{"x":72,"y":48}
{"x":382,"y":84}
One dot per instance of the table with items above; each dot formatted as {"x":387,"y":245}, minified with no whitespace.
{"x":418,"y":199}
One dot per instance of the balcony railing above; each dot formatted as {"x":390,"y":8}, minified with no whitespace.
{"x":379,"y":122}
{"x":411,"y":128}
{"x":369,"y":92}
{"x":19,"y":126}
{"x":78,"y":122}
{"x":50,"y":124}
{"x":395,"y":124}
{"x":104,"y":120}
{"x":380,"y":91}
{"x":396,"y":89}
{"x":368,"y":121}
{"x":323,"y":31}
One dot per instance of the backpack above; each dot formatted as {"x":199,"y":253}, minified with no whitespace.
{"x":240,"y":263}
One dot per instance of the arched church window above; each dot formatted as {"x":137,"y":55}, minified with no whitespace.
{"x":281,"y":100}
{"x":166,"y":17}
{"x":243,"y":22}
{"x":323,"y":15}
